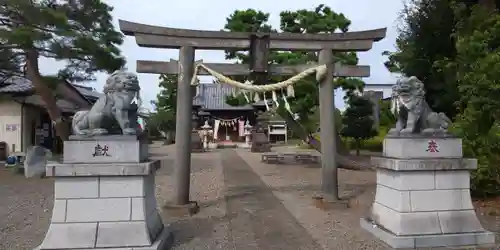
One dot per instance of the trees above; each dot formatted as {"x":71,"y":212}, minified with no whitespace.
{"x":357,"y":121}
{"x":386,"y":118}
{"x":424,"y":40}
{"x":165,"y":105}
{"x":426,"y":44}
{"x":477,"y":68}
{"x":78,"y":32}
{"x":321,"y":19}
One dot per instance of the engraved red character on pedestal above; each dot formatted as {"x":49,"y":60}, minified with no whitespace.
{"x":432,"y":146}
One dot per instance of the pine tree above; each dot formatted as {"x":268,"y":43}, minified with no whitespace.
{"x":358,"y":120}
{"x":79,"y":32}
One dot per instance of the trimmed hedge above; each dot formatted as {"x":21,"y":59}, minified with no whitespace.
{"x":374,"y":144}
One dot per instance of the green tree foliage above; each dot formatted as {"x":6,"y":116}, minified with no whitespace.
{"x":321,"y":19}
{"x":79,"y":32}
{"x":477,"y":67}
{"x":425,"y":38}
{"x":386,"y":118}
{"x":165,"y":104}
{"x":315,"y":117}
{"x":358,"y":121}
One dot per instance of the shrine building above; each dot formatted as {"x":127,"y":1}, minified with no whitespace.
{"x":227,"y":122}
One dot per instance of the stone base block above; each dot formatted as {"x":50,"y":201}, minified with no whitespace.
{"x":422,"y":164}
{"x":93,"y":210}
{"x":105,"y":149}
{"x":163,"y":242}
{"x":422,"y":147}
{"x":428,"y":222}
{"x":101,"y":169}
{"x":436,"y":240}
{"x":182,"y":210}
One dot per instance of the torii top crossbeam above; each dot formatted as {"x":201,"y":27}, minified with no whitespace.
{"x":170,"y":38}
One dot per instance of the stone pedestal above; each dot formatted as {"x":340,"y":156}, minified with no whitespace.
{"x":196,"y":143}
{"x":105,"y":198}
{"x":423,"y":195}
{"x":260,"y":142}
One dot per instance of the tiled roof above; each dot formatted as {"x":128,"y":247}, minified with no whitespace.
{"x":16,"y":85}
{"x":213,"y":97}
{"x":88,"y":91}
{"x":19,"y":84}
{"x":64,"y":106}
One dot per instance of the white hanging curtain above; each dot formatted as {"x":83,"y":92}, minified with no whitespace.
{"x":241,"y":128}
{"x":216,"y":128}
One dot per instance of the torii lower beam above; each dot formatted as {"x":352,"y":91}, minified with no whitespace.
{"x":172,"y":67}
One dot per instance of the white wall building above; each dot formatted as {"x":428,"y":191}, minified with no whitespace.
{"x":24,"y":121}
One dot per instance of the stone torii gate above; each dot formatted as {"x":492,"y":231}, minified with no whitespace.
{"x":259,"y":44}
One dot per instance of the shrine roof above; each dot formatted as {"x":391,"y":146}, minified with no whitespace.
{"x":71,"y":97}
{"x":22,"y":85}
{"x":211,"y":96}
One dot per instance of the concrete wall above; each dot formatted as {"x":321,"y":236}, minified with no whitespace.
{"x":11,"y":124}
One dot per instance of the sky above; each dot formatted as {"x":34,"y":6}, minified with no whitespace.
{"x":211,"y":15}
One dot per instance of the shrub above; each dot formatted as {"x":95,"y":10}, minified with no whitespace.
{"x":373,"y":145}
{"x":485,"y":180}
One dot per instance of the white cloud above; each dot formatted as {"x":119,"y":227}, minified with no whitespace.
{"x":211,"y":15}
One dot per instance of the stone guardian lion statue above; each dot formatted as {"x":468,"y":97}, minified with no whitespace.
{"x":120,"y":90}
{"x":414,"y":116}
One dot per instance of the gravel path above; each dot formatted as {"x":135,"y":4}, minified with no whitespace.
{"x":25,"y":210}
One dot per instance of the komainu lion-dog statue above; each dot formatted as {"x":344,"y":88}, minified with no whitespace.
{"x":414,"y":116}
{"x":120,"y":90}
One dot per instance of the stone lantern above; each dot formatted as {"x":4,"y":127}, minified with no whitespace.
{"x":205,"y":131}
{"x":248,"y":133}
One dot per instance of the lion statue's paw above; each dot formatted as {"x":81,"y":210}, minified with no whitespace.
{"x":129,"y":131}
{"x":393,"y":131}
{"x":99,"y":131}
{"x":406,"y":131}
{"x":84,"y":132}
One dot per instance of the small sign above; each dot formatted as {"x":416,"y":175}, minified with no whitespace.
{"x":432,"y":146}
{"x":100,"y":150}
{"x":11,"y":127}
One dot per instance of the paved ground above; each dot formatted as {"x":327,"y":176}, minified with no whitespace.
{"x":244,"y":205}
{"x":258,"y":220}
